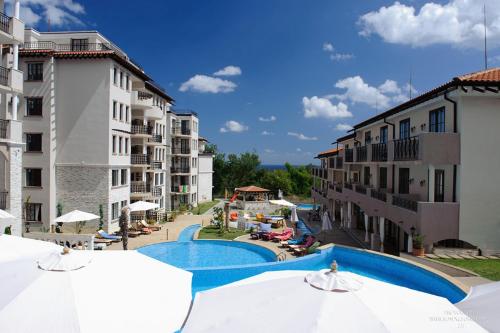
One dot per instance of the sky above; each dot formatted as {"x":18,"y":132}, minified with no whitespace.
{"x":285,"y":78}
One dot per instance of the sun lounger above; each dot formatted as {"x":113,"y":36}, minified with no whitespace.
{"x":103,"y":241}
{"x":286,"y":235}
{"x":308,"y":242}
{"x":296,"y":241}
{"x":260,"y":217}
{"x":153,"y":227}
{"x":104,"y":235}
{"x":306,"y":250}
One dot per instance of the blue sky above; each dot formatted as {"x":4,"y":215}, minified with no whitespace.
{"x":306,"y":69}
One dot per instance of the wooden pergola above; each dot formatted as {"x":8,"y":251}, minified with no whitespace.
{"x":253,"y":192}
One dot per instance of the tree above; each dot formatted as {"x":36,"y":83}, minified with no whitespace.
{"x":275,"y":180}
{"x":101,"y":217}
{"x":301,"y":179}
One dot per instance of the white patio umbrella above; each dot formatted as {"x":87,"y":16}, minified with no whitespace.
{"x":281,"y":202}
{"x":76,"y":216}
{"x":249,"y":306}
{"x":294,"y":217}
{"x":92,"y":291}
{"x":326,"y":223}
{"x":140,"y":206}
{"x":13,"y":247}
{"x":482,"y":305}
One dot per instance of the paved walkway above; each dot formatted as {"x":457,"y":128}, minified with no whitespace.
{"x":210,"y":212}
{"x":168,"y":233}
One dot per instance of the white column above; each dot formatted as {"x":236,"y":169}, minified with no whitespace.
{"x":381,"y":228}
{"x":432,"y":180}
{"x":366,"y":228}
{"x":15,"y":63}
{"x":349,"y":213}
{"x":410,"y":243}
{"x":342,"y":222}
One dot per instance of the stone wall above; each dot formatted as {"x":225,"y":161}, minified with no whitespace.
{"x":84,"y":188}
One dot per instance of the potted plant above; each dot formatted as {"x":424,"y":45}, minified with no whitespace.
{"x":418,"y":245}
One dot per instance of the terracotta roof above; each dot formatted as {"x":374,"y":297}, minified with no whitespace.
{"x":252,"y":189}
{"x":329,"y":152}
{"x":486,"y":78}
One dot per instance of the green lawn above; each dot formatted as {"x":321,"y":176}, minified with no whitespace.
{"x":203,"y":207}
{"x":489,"y":269}
{"x":212,"y":232}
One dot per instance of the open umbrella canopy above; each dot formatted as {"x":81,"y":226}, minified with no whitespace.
{"x":281,"y":202}
{"x":140,"y":206}
{"x":13,"y":247}
{"x":326,"y":223}
{"x":76,"y":216}
{"x":294,"y":217}
{"x":6,"y":215}
{"x":482,"y":304}
{"x":376,"y":307}
{"x":92,"y":291}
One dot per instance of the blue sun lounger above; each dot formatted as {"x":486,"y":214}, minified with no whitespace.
{"x":105,"y":235}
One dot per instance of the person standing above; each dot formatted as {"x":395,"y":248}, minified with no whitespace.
{"x":123,"y":222}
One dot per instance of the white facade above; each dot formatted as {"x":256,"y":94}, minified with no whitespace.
{"x":11,"y":141}
{"x":205,"y":177}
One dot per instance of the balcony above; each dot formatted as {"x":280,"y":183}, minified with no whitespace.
{"x":155,"y":165}
{"x":3,"y":199}
{"x":155,"y":139}
{"x":406,"y":149}
{"x":156,"y":191}
{"x":361,"y":154}
{"x":180,"y":189}
{"x":155,"y":113}
{"x":138,"y":187}
{"x":141,"y":130}
{"x":181,"y":151}
{"x":379,"y":195}
{"x":405,"y":203}
{"x":174,"y":170}
{"x":11,"y":80}
{"x":379,"y":152}
{"x":338,"y":188}
{"x":349,"y":155}
{"x":361,"y":189}
{"x":181,"y":131}
{"x":139,"y":159}
{"x":348,"y":186}
{"x":11,"y":131}
{"x":141,"y":100}
{"x":339,"y":163}
{"x":11,"y":30}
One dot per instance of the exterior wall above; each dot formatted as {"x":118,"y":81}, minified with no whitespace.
{"x":478,"y":173}
{"x":205,"y":173}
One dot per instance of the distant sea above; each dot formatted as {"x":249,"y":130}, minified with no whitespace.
{"x":274,"y":166}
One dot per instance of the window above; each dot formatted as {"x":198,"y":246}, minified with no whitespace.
{"x":366,"y":179}
{"x":34,"y":106}
{"x":368,"y":137}
{"x":438,"y":185}
{"x":126,"y":146}
{"x":127,"y":82}
{"x":114,"y":177}
{"x":34,"y":177}
{"x":124,"y":203}
{"x":120,"y":141}
{"x":121,"y":79}
{"x":382,"y":177}
{"x":123,"y":177}
{"x":383,"y":134}
{"x":114,"y":144}
{"x":115,"y":111}
{"x":35,"y":71}
{"x":33,"y":142}
{"x":79,"y":44}
{"x":115,"y":75}
{"x":33,"y":212}
{"x":127,"y":110}
{"x":436,"y":120}
{"x":404,"y":129}
{"x":121,"y":112}
{"x":404,"y":180}
{"x":193,"y":180}
{"x":115,"y":210}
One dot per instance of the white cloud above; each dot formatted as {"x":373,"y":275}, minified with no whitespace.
{"x":268,"y":151}
{"x":269,"y":119}
{"x":328,"y":47}
{"x":60,"y":12}
{"x":228,"y":71}
{"x":301,"y":136}
{"x":318,"y":107}
{"x":457,"y":22}
{"x":208,"y":84}
{"x":343,"y":127}
{"x":389,"y":86}
{"x":299,"y":150}
{"x":266,"y":133}
{"x":233,"y":126}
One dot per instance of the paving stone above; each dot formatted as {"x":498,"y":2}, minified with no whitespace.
{"x":466,"y":256}
{"x":443,"y":256}
{"x":455,"y":256}
{"x":480,"y":257}
{"x":492,"y":257}
{"x":431,"y":256}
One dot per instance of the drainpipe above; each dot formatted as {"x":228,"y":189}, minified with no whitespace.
{"x":393,"y":166}
{"x":454,"y":131}
{"x":15,"y":62}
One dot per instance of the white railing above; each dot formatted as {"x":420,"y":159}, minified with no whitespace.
{"x":83,"y":241}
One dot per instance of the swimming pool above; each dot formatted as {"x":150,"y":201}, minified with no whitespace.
{"x":304,"y":206}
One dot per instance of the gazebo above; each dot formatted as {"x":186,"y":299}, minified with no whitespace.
{"x":251,"y":195}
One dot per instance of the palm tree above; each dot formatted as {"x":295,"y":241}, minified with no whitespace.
{"x":123,"y":222}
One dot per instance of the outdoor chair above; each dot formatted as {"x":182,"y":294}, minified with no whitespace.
{"x":104,"y":235}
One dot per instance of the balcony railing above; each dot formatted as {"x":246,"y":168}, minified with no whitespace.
{"x":138,"y":159}
{"x":155,"y":165}
{"x":141,"y":129}
{"x":181,"y":131}
{"x":3,"y":199}
{"x":379,"y":195}
{"x":379,"y":152}
{"x":361,"y":189}
{"x":406,"y":149}
{"x":138,"y":187}
{"x":180,"y":189}
{"x":361,"y":154}
{"x":5,"y":23}
{"x":4,"y":125}
{"x":349,"y":155}
{"x":331,"y":186}
{"x":185,"y":151}
{"x":338,"y":188}
{"x":4,"y":76}
{"x":142,"y":95}
{"x":348,"y":186}
{"x":156,"y":191}
{"x":179,"y":170}
{"x":405,"y":203}
{"x":156,"y":138}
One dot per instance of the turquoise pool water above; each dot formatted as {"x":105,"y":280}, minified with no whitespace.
{"x":304,"y":206}
{"x":215,"y":263}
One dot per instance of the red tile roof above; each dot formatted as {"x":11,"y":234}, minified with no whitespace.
{"x":252,"y":189}
{"x":329,"y":152}
{"x":489,"y":75}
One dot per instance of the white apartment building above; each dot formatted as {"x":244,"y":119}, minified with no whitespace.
{"x":205,"y":172}
{"x":11,"y":141}
{"x":95,"y":128}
